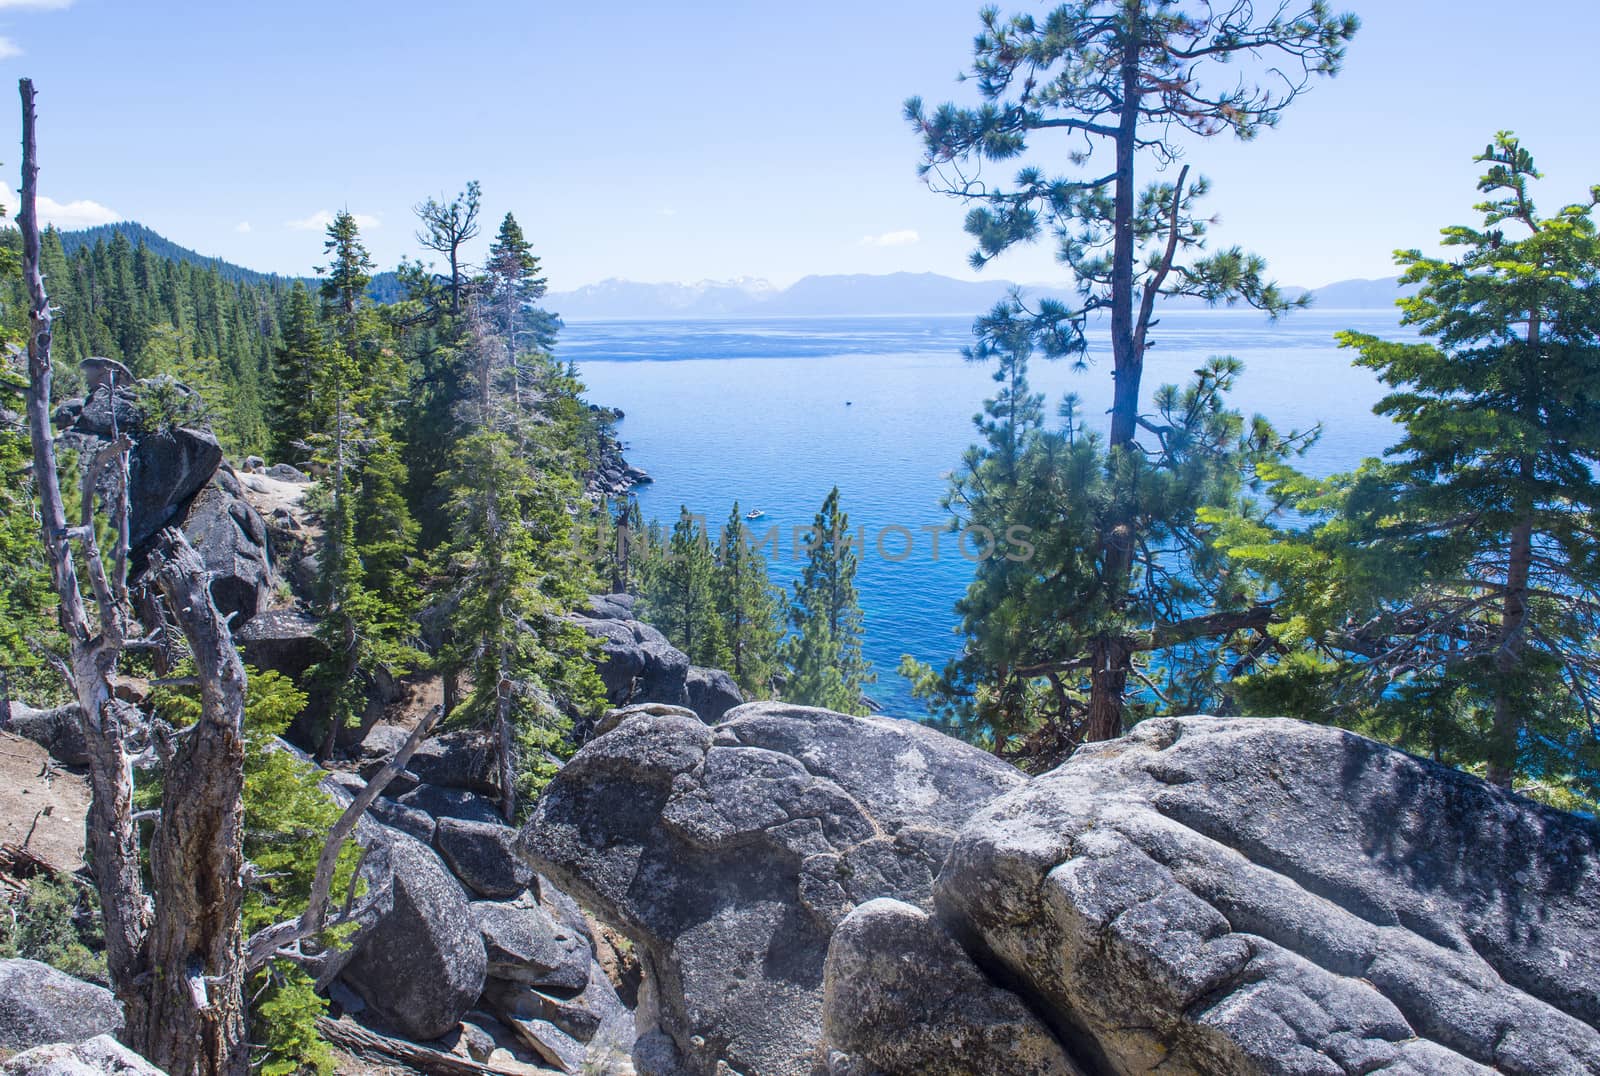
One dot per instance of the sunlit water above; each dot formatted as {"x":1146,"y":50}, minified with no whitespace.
{"x":773,"y":413}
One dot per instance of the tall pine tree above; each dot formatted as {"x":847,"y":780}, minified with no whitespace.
{"x":748,"y":606}
{"x":364,"y":596}
{"x":1449,"y":596}
{"x":826,"y":667}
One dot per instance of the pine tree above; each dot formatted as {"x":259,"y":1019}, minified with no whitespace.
{"x":515,"y":571}
{"x":1446,"y":597}
{"x":26,"y":600}
{"x":748,"y":606}
{"x":1125,"y":77}
{"x":824,"y":655}
{"x":364,"y":592}
{"x":680,"y":594}
{"x":292,"y":409}
{"x":1031,"y":502}
{"x":446,"y":227}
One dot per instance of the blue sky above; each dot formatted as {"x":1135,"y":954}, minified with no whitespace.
{"x":710,"y":139}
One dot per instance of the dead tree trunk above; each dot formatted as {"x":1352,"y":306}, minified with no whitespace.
{"x":196,"y":1008}
{"x":91,"y":660}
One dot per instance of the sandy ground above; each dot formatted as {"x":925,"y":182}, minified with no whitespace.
{"x":31,"y":785}
{"x":267,"y":494}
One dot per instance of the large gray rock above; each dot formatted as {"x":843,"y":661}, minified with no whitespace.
{"x":728,"y":855}
{"x":711,"y":693}
{"x":903,"y":999}
{"x":482,"y":855}
{"x":99,"y":1056}
{"x":231,"y":539}
{"x":1264,"y":896}
{"x":587,"y":1029}
{"x":422,"y":965}
{"x":56,"y":730}
{"x":452,"y":803}
{"x":461,"y":759}
{"x":282,"y":640}
{"x":167,"y":466}
{"x":637,"y":663}
{"x":526,"y":945}
{"x":40,"y":1005}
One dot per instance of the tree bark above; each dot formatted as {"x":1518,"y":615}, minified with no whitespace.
{"x":1111,"y":659}
{"x":1508,"y":655}
{"x":195,"y":1021}
{"x":1112,"y":656}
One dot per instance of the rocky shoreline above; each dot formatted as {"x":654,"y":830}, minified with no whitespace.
{"x":612,"y":475}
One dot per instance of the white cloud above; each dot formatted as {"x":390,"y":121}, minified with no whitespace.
{"x":242,"y":226}
{"x":901,"y":238}
{"x":34,"y":5}
{"x":9,"y":48}
{"x":319,"y":220}
{"x":82,"y":213}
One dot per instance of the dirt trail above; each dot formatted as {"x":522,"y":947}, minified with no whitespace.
{"x":33,"y":786}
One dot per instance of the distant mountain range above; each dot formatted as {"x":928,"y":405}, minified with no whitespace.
{"x":865,"y":294}
{"x":854,"y":294}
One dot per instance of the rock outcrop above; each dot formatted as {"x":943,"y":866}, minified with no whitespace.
{"x":176,"y":477}
{"x":436,"y":963}
{"x":711,"y":693}
{"x":902,"y":997}
{"x":99,"y":1056}
{"x":639,"y":665}
{"x":729,"y":854}
{"x":1212,"y":897}
{"x":283,"y":640}
{"x":1267,"y":896}
{"x":167,"y":466}
{"x":40,"y":1005}
{"x":421,"y":966}
{"x":231,"y":539}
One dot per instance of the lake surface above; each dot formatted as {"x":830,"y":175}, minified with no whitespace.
{"x":774,"y":413}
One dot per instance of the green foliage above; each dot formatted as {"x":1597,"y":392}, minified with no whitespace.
{"x":748,"y":608}
{"x":292,"y":412}
{"x":1125,"y":79}
{"x":1043,"y":498}
{"x":514,"y":573}
{"x":824,"y":654}
{"x":680,"y":593}
{"x":287,"y":817}
{"x":366,"y":594}
{"x":198,"y":321}
{"x":55,"y":923}
{"x":27,"y":599}
{"x":1448,"y":597}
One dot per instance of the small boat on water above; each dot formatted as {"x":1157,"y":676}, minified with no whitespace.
{"x":754,"y":513}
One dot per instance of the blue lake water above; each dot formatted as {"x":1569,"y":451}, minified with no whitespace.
{"x":774,"y":413}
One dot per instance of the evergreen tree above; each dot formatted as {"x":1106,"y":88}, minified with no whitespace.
{"x":680,"y":595}
{"x":446,"y":227}
{"x":1035,"y":500}
{"x":292,"y":409}
{"x":824,"y":655}
{"x":1124,"y":77}
{"x":365,"y":597}
{"x":1447,"y":597}
{"x":748,"y":606}
{"x":515,"y":571}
